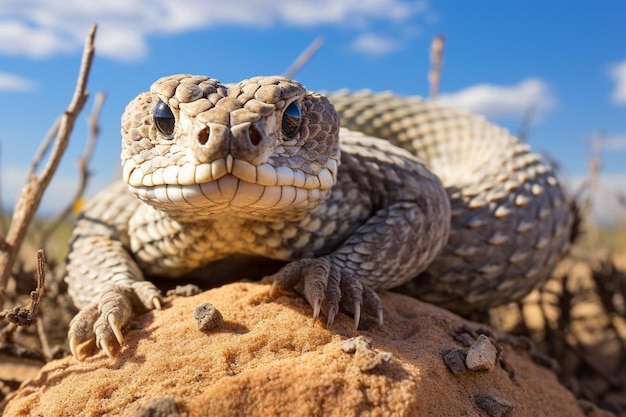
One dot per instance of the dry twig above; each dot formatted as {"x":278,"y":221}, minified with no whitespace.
{"x":43,"y":149}
{"x":21,"y":316}
{"x":593,"y":184}
{"x":83,"y":168}
{"x":33,"y":190}
{"x":527,"y":122}
{"x":24,"y":317}
{"x":304,"y":57}
{"x":43,"y":339}
{"x":436,"y":62}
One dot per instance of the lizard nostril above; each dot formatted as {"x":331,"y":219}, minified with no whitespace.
{"x":255,"y":135}
{"x":203,"y":136}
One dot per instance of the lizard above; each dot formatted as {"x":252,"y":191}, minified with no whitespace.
{"x":356,"y":192}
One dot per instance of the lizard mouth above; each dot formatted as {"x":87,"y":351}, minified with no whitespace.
{"x":227,"y":192}
{"x":227,"y":184}
{"x":263,"y":174}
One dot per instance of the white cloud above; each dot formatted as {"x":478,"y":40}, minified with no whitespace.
{"x":618,"y":73}
{"x":13,"y":82}
{"x":373,"y":44}
{"x":18,"y":38}
{"x":497,"y":101}
{"x":41,"y":28}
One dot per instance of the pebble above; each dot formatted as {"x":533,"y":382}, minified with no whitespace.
{"x":207,"y":317}
{"x":481,"y":355}
{"x":455,"y":359}
{"x":493,"y":406}
{"x":159,"y":407}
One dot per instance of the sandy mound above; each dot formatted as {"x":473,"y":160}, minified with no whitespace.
{"x":268,"y":359}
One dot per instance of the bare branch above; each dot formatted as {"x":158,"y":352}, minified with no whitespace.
{"x":594,"y":165}
{"x":83,"y":168}
{"x":527,"y":121}
{"x":43,"y":339}
{"x":20,"y":316}
{"x":304,"y":57}
{"x":436,"y":62}
{"x":44,"y":147}
{"x":33,"y":190}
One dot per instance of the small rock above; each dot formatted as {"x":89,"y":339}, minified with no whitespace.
{"x":366,"y":358}
{"x":482,"y":355}
{"x":208,"y":317}
{"x":493,"y":406}
{"x":455,"y":359}
{"x":188,"y":290}
{"x":355,"y":343}
{"x":159,"y":407}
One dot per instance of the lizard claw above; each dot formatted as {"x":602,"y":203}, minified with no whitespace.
{"x":317,"y":305}
{"x":117,"y":331}
{"x":82,"y":330}
{"x":330,"y":315}
{"x":73,"y":342}
{"x":107,"y":348}
{"x":357,"y":315}
{"x":327,"y":288}
{"x":275,"y":289}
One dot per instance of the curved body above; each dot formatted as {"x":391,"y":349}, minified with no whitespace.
{"x":405,"y":193}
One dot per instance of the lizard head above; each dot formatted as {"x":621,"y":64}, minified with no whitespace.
{"x":264,"y":148}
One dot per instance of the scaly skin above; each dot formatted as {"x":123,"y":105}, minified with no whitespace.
{"x":262,"y":168}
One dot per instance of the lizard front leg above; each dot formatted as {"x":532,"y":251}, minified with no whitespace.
{"x":104,"y":280}
{"x":397,"y":242}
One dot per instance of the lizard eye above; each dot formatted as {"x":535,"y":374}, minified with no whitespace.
{"x":164,"y":119}
{"x":292,"y":118}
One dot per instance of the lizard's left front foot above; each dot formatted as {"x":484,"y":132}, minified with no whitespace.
{"x":327,"y":286}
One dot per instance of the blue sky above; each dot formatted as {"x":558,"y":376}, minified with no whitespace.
{"x":566,"y":58}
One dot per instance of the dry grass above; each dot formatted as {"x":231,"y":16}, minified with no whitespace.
{"x":579,"y":318}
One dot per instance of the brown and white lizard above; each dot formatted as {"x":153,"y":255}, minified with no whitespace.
{"x":406,"y":193}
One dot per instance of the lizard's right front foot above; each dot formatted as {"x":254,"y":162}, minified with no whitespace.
{"x":327,"y":286}
{"x":102,"y":323}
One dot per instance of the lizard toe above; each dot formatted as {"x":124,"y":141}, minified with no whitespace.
{"x":352,"y":296}
{"x":372,"y":304}
{"x":115,"y":310}
{"x":108,"y":335}
{"x":81,"y":331}
{"x":358,"y":298}
{"x":108,"y":348}
{"x":148,"y":294}
{"x":289,"y":277}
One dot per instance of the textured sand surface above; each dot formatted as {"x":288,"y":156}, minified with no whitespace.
{"x":267,"y":358}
